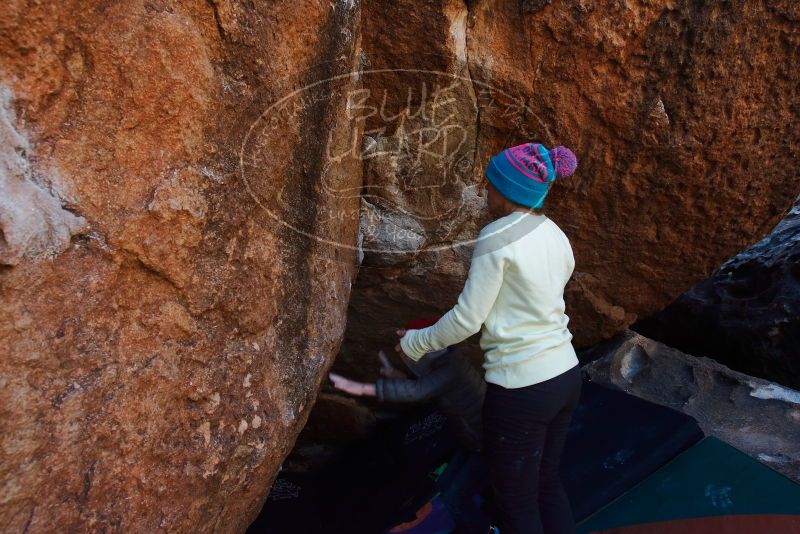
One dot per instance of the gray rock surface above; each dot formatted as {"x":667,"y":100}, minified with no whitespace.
{"x":758,"y":417}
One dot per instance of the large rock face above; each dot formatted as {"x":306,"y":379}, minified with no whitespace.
{"x":747,"y":315}
{"x":167,"y":312}
{"x":179,"y":209}
{"x":683,"y":116}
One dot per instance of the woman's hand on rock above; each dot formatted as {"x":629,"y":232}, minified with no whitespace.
{"x":351,"y":386}
{"x":398,"y":348}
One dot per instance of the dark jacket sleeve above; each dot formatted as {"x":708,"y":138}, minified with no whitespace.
{"x":412,"y":390}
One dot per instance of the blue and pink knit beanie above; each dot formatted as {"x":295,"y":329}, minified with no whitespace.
{"x":524,"y":173}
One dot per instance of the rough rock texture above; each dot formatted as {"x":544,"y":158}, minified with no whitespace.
{"x":683,"y":114}
{"x":747,"y":314}
{"x":756,"y":416}
{"x":155,"y":373}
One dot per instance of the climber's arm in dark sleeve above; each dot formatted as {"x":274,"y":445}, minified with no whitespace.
{"x":413,"y":390}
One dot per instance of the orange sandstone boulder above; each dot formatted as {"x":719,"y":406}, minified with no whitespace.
{"x":170,"y":302}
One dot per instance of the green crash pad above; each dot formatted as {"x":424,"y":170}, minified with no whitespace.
{"x":710,"y":479}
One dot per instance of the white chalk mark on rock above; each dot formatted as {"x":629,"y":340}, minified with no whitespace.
{"x":33,"y":223}
{"x":775,"y":392}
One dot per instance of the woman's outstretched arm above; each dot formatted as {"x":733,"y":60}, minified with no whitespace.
{"x":474,"y":304}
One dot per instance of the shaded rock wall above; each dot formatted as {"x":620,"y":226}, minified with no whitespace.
{"x":166,"y":319}
{"x":747,"y":314}
{"x":683,"y":116}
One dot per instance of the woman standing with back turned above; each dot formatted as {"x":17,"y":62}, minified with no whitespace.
{"x":514,"y":295}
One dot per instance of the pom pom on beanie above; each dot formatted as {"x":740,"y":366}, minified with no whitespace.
{"x":564,"y":161}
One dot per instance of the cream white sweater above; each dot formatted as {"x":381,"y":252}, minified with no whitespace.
{"x":515,"y":292}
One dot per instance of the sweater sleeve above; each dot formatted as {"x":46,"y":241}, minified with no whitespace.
{"x":484,"y":280}
{"x":412,"y":390}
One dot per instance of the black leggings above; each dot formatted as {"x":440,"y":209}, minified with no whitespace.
{"x":524,"y":433}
